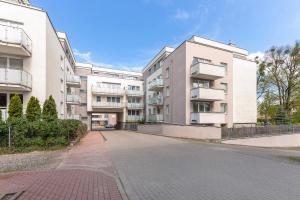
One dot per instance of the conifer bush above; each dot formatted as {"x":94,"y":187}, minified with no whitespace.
{"x":15,"y":109}
{"x":33,"y":111}
{"x":49,"y":110}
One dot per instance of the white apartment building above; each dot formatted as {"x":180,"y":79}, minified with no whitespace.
{"x":201,"y":82}
{"x":35,"y":59}
{"x":110,"y":91}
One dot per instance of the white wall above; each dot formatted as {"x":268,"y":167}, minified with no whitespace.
{"x":244,"y":91}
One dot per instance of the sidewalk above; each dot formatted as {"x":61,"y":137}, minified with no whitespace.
{"x":86,"y":172}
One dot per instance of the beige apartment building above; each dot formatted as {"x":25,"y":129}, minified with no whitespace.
{"x":35,"y":59}
{"x":110,"y":95}
{"x":201,"y":83}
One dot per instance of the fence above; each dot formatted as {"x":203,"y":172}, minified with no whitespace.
{"x":245,"y":132}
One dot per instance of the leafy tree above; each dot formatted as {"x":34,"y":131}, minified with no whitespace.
{"x":281,"y":116}
{"x":267,"y":107}
{"x":281,"y":67}
{"x":15,"y":109}
{"x":49,"y":110}
{"x":33,"y":111}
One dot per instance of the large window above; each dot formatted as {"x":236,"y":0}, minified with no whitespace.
{"x":200,"y":60}
{"x":113,"y":99}
{"x":133,"y":87}
{"x":224,"y":87}
{"x":224,"y":107}
{"x":3,"y":100}
{"x":109,"y":85}
{"x":202,"y":107}
{"x":12,"y":63}
{"x":98,"y":98}
{"x":199,"y":83}
{"x":134,"y":100}
{"x":134,"y":112}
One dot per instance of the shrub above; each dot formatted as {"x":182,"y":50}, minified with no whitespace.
{"x":0,"y":115}
{"x":19,"y":131}
{"x":15,"y":109}
{"x":49,"y":110}
{"x":3,"y":134}
{"x":33,"y":111}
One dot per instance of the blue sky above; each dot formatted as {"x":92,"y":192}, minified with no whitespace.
{"x":127,"y":34}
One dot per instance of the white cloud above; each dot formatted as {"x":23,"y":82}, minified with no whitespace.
{"x":258,"y":54}
{"x":181,"y":15}
{"x":86,"y":57}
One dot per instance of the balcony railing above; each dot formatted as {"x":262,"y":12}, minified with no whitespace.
{"x":15,"y":79}
{"x":158,"y":100}
{"x":134,"y":92}
{"x":156,"y":84}
{"x":155,"y":118}
{"x":73,"y":99}
{"x":108,"y":104}
{"x":135,"y":105}
{"x":76,"y":117}
{"x":12,"y":36}
{"x":207,"y":71}
{"x":208,"y":118}
{"x":73,"y":80}
{"x":207,"y":94}
{"x":104,"y":90}
{"x":134,"y":118}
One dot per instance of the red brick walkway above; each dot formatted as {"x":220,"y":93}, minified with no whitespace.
{"x":85,"y":173}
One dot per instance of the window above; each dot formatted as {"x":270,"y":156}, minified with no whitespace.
{"x":83,"y":78}
{"x":134,"y":112}
{"x":168,"y":72}
{"x":3,"y":62}
{"x":134,"y":100}
{"x":201,"y":83}
{"x":133,"y":87}
{"x":200,"y":60}
{"x":98,"y":98}
{"x":109,"y":85}
{"x":224,"y":87}
{"x":83,"y":91}
{"x":224,"y":107}
{"x":167,"y":109}
{"x":3,"y":100}
{"x":201,"y":107}
{"x":167,"y":91}
{"x":113,"y":99}
{"x":225,"y":66}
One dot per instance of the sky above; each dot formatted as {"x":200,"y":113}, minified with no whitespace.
{"x":126,"y":34}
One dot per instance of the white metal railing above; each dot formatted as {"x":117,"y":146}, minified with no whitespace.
{"x":72,"y":98}
{"x":135,"y":105}
{"x":14,"y":35}
{"x":156,"y":83}
{"x":73,"y":79}
{"x":15,"y":77}
{"x":135,"y":92}
{"x":105,"y":90}
{"x":108,"y":104}
{"x":157,"y":100}
{"x":77,"y":117}
{"x":155,"y":118}
{"x":133,"y":118}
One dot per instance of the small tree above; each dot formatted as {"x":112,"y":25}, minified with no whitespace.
{"x":33,"y":111}
{"x":49,"y":110}
{"x":15,"y":109}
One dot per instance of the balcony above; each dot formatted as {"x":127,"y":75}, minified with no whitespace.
{"x":134,"y":92}
{"x":73,"y":99}
{"x":135,"y":105}
{"x":14,"y":41}
{"x":134,"y":118}
{"x":73,"y":81}
{"x":158,"y":101}
{"x":15,"y":80}
{"x":156,"y":85}
{"x":155,"y":118}
{"x":207,"y":71}
{"x":108,"y":104}
{"x":208,"y":118}
{"x":207,"y":94}
{"x":76,"y":117}
{"x":109,"y":91}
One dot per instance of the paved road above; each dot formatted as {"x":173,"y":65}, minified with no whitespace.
{"x":85,"y":173}
{"x":154,"y":167}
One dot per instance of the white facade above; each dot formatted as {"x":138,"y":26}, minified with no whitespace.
{"x":37,"y":62}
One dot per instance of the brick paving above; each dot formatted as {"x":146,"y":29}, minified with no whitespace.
{"x":160,"y":168}
{"x":86,"y":173}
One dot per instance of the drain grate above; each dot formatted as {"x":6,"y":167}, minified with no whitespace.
{"x":11,"y":196}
